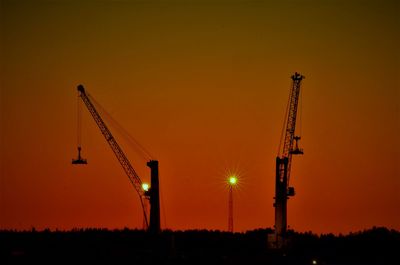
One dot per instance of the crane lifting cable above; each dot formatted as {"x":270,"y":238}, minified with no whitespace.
{"x":300,"y":130}
{"x":79,"y":160}
{"x":136,"y":146}
{"x":283,"y":128}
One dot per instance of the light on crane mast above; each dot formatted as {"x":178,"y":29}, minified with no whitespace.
{"x":145,"y":187}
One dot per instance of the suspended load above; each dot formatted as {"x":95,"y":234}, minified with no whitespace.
{"x":79,"y":160}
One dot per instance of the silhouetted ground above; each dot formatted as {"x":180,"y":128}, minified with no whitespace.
{"x":99,"y":246}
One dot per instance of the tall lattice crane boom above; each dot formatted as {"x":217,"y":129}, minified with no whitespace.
{"x":291,"y":118}
{"x":123,"y":160}
{"x":283,"y":163}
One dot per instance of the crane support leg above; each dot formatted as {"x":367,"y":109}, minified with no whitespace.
{"x":154,"y":226}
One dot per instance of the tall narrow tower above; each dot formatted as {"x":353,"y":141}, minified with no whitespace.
{"x":232,"y":181}
{"x":283,"y":164}
{"x":154,"y":226}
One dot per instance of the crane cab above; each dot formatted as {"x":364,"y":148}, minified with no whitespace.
{"x":290,"y":192}
{"x":79,"y":160}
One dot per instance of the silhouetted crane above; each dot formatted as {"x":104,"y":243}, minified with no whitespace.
{"x":283,"y":163}
{"x":152,"y":193}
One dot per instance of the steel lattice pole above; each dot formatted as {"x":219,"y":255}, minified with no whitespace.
{"x":230,"y":214}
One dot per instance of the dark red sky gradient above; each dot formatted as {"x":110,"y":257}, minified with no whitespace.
{"x":203,"y":85}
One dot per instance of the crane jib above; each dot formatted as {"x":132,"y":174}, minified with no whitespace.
{"x":123,"y":160}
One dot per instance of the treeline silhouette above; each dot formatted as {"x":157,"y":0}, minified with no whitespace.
{"x":102,"y":246}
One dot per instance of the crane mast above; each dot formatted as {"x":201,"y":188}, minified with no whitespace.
{"x":153,"y":193}
{"x":283,"y":163}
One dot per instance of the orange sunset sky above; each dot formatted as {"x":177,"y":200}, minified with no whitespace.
{"x":203,"y":85}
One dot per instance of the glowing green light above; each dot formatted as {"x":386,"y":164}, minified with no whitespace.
{"x":232,"y":180}
{"x":145,"y":187}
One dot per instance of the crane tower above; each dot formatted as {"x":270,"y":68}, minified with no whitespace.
{"x":283,"y":164}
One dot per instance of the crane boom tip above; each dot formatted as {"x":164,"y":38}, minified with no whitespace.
{"x":81,"y":89}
